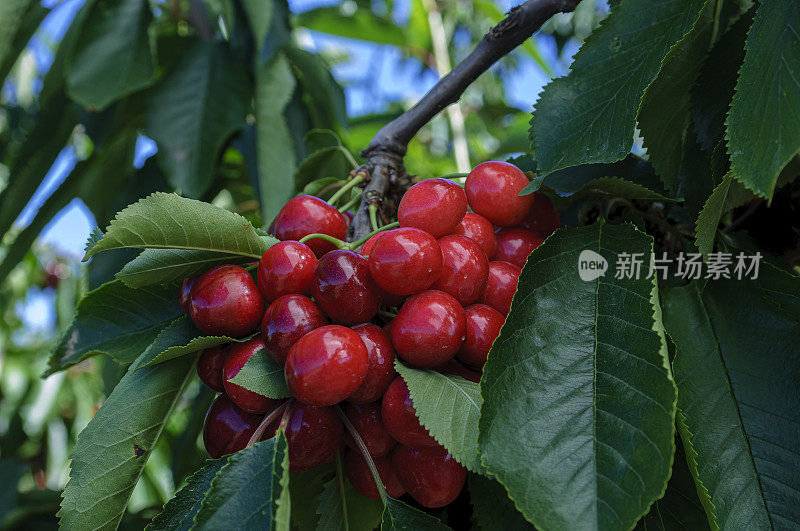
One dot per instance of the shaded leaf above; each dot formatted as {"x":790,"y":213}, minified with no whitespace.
{"x":397,"y":516}
{"x":17,"y":25}
{"x":179,"y":512}
{"x":492,"y":509}
{"x":263,"y":376}
{"x":725,"y":197}
{"x":307,"y":486}
{"x":363,"y":514}
{"x":322,"y":93}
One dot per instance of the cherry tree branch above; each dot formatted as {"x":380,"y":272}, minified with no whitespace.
{"x":388,"y":147}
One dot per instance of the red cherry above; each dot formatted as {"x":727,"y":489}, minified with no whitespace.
{"x":387,"y":329}
{"x":226,"y":302}
{"x":228,"y":428}
{"x":405,"y":261}
{"x":185,"y":295}
{"x":429,"y":329}
{"x":543,"y":216}
{"x":380,"y":368}
{"x":314,"y":434}
{"x":366,"y":247}
{"x":483,"y":327}
{"x":501,"y":286}
{"x":238,"y":355}
{"x":344,"y":289}
{"x":368,"y":423}
{"x":357,"y":471}
{"x":465,"y":269}
{"x":286,"y":268}
{"x":430,"y":475}
{"x":286,"y":320}
{"x":400,"y":418}
{"x":326,"y":365}
{"x":348,"y":217}
{"x":306,"y":214}
{"x":209,"y":367}
{"x":480,"y":229}
{"x":493,"y":192}
{"x":436,"y":206}
{"x":457,"y":368}
{"x":515,"y":244}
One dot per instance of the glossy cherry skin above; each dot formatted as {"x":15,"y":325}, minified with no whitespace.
{"x":400,"y":418}
{"x":209,"y":367}
{"x":357,"y":471}
{"x":226,"y":302}
{"x":501,"y":286}
{"x":430,"y":475}
{"x":515,"y":244}
{"x":348,"y":217}
{"x":457,"y":368}
{"x":479,"y":229}
{"x":542,"y":218}
{"x":405,"y":261}
{"x":366,"y":247}
{"x":314,"y":434}
{"x":436,"y":206}
{"x":380,"y":365}
{"x":326,"y":365}
{"x":286,"y":268}
{"x":185,"y":294}
{"x":228,"y":428}
{"x":493,"y":192}
{"x":429,"y":329}
{"x":464,"y":270}
{"x":483,"y":327}
{"x":238,"y":355}
{"x":344,"y":289}
{"x":306,"y":214}
{"x":286,"y":320}
{"x":368,"y":423}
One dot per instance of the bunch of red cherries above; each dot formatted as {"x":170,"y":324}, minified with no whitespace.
{"x":434,"y":292}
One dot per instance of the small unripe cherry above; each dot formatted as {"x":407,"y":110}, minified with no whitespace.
{"x":286,"y":320}
{"x":368,"y":423}
{"x":306,"y":214}
{"x":314,"y":434}
{"x":344,"y":289}
{"x":483,"y":327}
{"x":400,"y":418}
{"x":465,"y":269}
{"x":185,"y":294}
{"x":238,"y":355}
{"x":430,"y":475}
{"x":210,"y":366}
{"x":493,"y":192}
{"x":227,"y":428}
{"x":225,"y":301}
{"x":286,"y":268}
{"x":326,"y":365}
{"x":436,"y":206}
{"x":429,"y":329}
{"x":405,"y":261}
{"x":542,"y":218}
{"x":358,"y":472}
{"x":501,"y":286}
{"x":515,"y":244}
{"x":380,"y":367}
{"x":480,"y":229}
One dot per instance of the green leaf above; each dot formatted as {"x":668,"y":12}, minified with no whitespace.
{"x":589,"y":116}
{"x":198,"y":104}
{"x":112,"y":450}
{"x":322,"y":94}
{"x":325,"y":162}
{"x":397,"y":516}
{"x":737,"y":396}
{"x":179,"y":512}
{"x":251,"y":491}
{"x":762,"y":127}
{"x":112,"y":56}
{"x":262,"y":375}
{"x":353,"y":23}
{"x":363,"y":514}
{"x":725,"y":197}
{"x":307,"y":486}
{"x":665,"y":114}
{"x":11,"y":471}
{"x":115,"y":320}
{"x":12,"y":13}
{"x":578,"y":414}
{"x":168,"y":221}
{"x":449,"y":408}
{"x":19,"y":20}
{"x":491,"y":507}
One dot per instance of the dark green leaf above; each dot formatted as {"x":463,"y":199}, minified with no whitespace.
{"x":322,"y":94}
{"x":492,"y":509}
{"x":179,"y":512}
{"x":725,"y":197}
{"x":360,"y":24}
{"x":397,"y":516}
{"x":17,"y":27}
{"x":363,"y":514}
{"x":578,"y":414}
{"x":307,"y":486}
{"x":12,"y":14}
{"x":262,"y":375}
{"x":11,"y":471}
{"x":325,"y":162}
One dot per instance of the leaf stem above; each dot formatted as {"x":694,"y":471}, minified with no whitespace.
{"x":350,"y":204}
{"x":340,"y":480}
{"x":336,"y":241}
{"x":355,"y":181}
{"x":364,"y":452}
{"x":265,"y":423}
{"x":373,"y":220}
{"x":358,"y":243}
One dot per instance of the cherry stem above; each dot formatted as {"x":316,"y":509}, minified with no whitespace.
{"x":344,"y":189}
{"x":336,"y":241}
{"x":264,"y":423}
{"x":364,"y":452}
{"x":384,"y":313}
{"x":286,"y":412}
{"x":358,"y":243}
{"x":373,"y":210}
{"x":350,"y":204}
{"x":337,"y":460}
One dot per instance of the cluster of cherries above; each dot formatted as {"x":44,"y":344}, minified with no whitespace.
{"x":325,"y":315}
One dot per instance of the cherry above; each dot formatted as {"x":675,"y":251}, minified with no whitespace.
{"x":457,"y":368}
{"x":387,"y":329}
{"x":405,"y":261}
{"x":368,"y":423}
{"x":493,"y":192}
{"x":209,"y":367}
{"x":228,"y":428}
{"x":543,"y":216}
{"x":480,"y":229}
{"x":306,"y":214}
{"x":348,"y":217}
{"x":326,"y":365}
{"x":380,"y":366}
{"x":366,"y":247}
{"x":314,"y":434}
{"x":286,"y":268}
{"x":344,"y":289}
{"x":483,"y":327}
{"x":357,"y":471}
{"x":465,"y":269}
{"x":429,"y":329}
{"x":400,"y":418}
{"x":430,"y":475}
{"x":185,"y":295}
{"x":226,"y":302}
{"x":515,"y":244}
{"x":436,"y":206}
{"x":501,"y":286}
{"x":238,"y":355}
{"x":286,"y":320}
